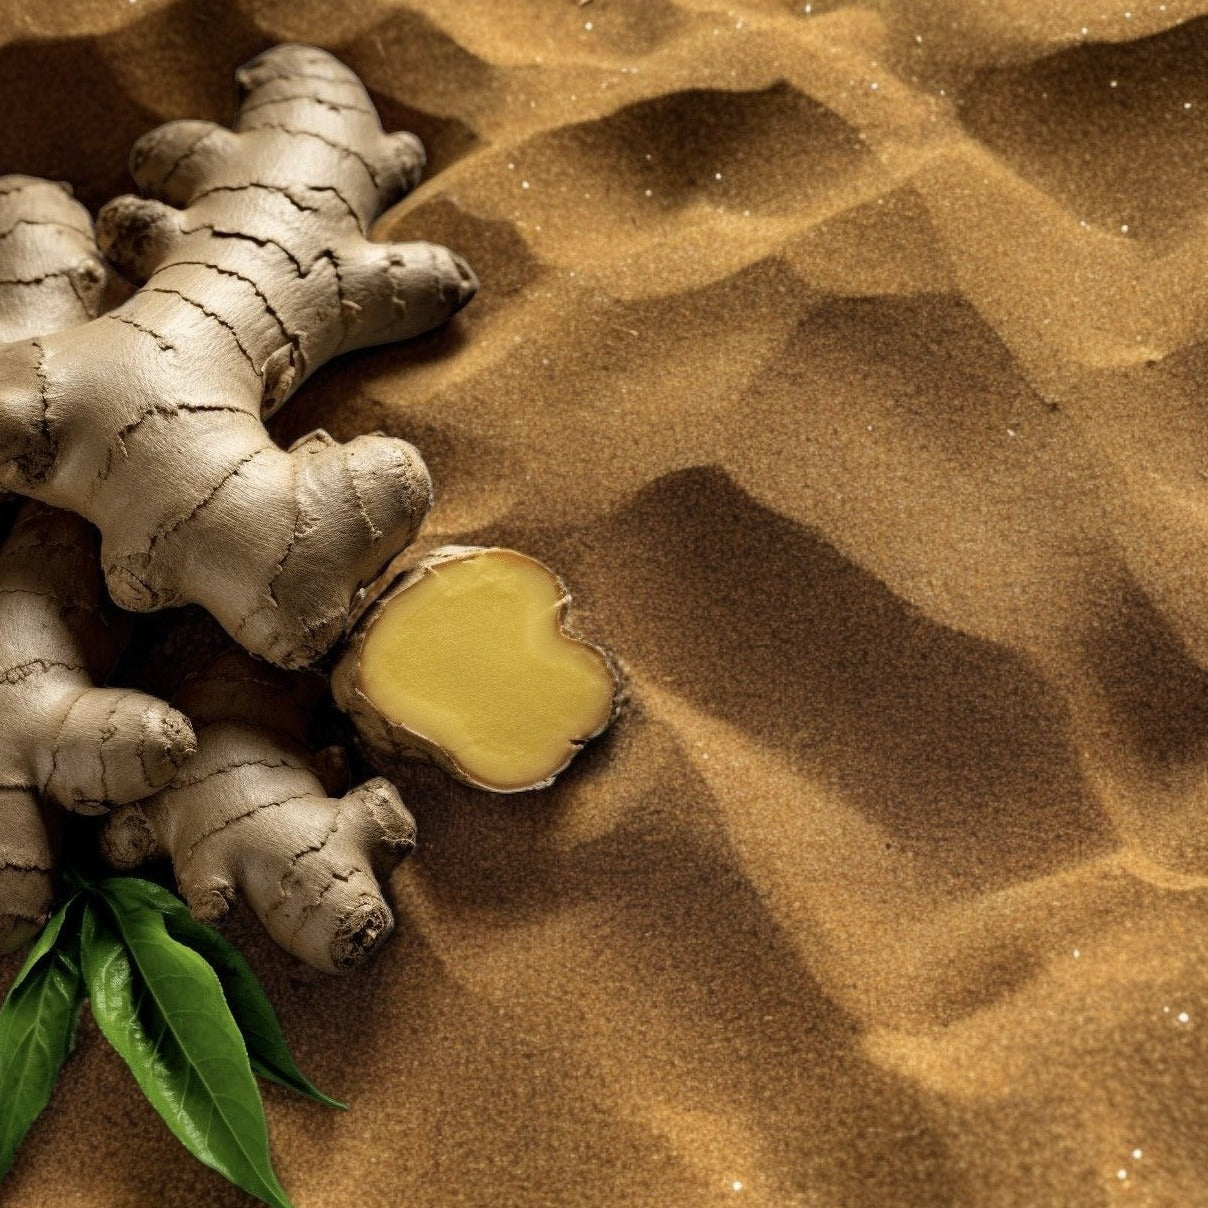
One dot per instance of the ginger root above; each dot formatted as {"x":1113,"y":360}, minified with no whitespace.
{"x":252,"y":246}
{"x":250,"y":815}
{"x":466,"y":662}
{"x":51,"y":275}
{"x":65,"y":742}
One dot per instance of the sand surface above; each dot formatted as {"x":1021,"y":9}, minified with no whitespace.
{"x":850,"y":362}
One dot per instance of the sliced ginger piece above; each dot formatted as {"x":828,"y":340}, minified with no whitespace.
{"x":467,"y":662}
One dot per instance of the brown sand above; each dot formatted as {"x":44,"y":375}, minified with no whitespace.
{"x":851,"y":366}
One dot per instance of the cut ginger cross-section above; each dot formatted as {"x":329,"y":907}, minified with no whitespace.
{"x":467,"y":662}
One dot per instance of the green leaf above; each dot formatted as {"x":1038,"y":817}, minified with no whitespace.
{"x":161,"y":1006}
{"x":250,"y":1006}
{"x":37,"y":1027}
{"x":46,"y":940}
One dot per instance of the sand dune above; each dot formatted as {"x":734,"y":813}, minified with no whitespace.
{"x":849,"y":362}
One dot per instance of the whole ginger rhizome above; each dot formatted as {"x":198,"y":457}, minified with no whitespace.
{"x":250,"y":252}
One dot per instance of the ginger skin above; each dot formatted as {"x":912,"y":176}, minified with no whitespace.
{"x":65,"y":742}
{"x":148,"y":421}
{"x":51,"y":275}
{"x":250,"y":816}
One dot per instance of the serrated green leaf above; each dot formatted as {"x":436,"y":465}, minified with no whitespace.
{"x":37,"y":1027}
{"x":161,"y":1007}
{"x":250,"y":1006}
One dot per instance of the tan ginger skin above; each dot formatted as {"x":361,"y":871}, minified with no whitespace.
{"x":65,"y":742}
{"x":250,"y":816}
{"x":51,"y":275}
{"x":241,"y":806}
{"x":148,"y":420}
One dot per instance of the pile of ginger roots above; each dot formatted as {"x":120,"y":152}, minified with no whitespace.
{"x":136,"y":437}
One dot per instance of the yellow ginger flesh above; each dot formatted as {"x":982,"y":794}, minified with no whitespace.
{"x":472,"y":659}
